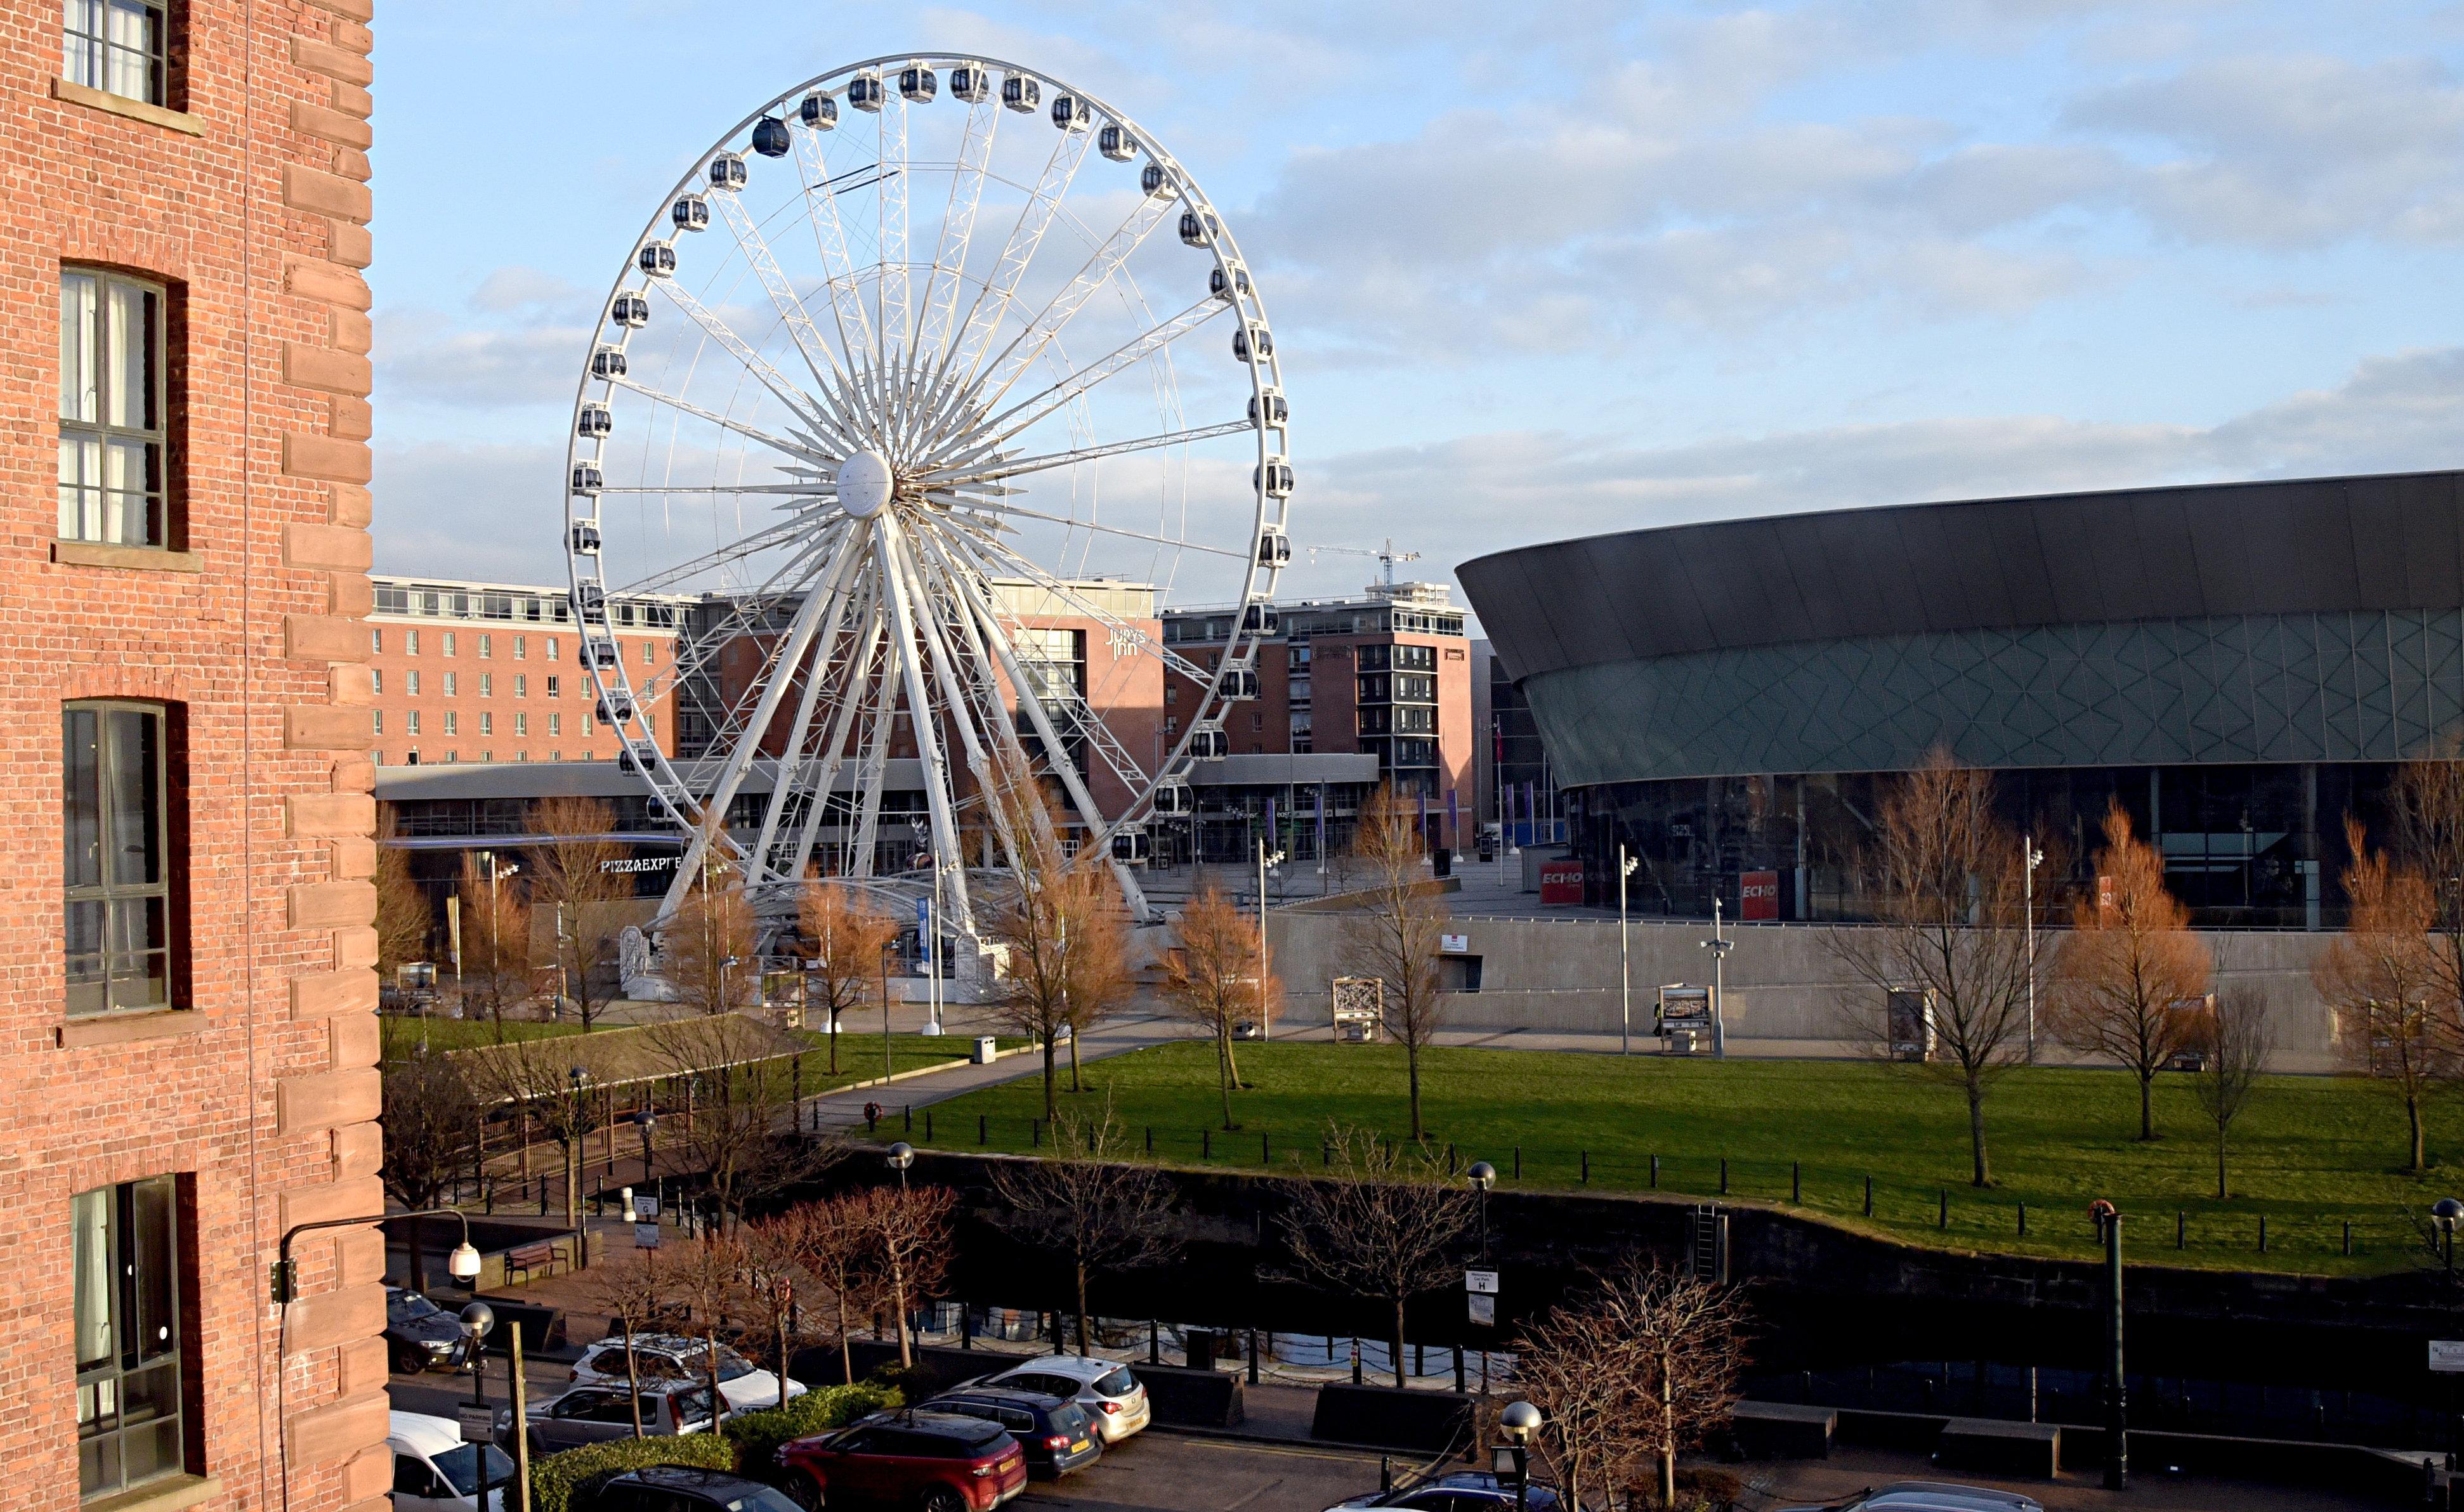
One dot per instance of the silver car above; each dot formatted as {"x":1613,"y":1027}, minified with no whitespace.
{"x":1112,"y":1397}
{"x":1926,"y":1495}
{"x":590,"y":1414}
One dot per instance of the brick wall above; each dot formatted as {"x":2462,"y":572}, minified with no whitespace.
{"x":250,"y":200}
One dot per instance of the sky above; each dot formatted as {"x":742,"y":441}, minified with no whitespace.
{"x":1546,"y":270}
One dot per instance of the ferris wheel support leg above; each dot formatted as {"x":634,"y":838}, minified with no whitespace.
{"x":791,"y":756}
{"x":928,"y":739}
{"x":995,"y":713}
{"x":799,"y":640}
{"x":851,"y":690}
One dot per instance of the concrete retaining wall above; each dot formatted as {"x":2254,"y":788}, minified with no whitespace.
{"x":1786,"y":986}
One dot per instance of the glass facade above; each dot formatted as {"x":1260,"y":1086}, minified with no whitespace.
{"x":2246,"y":845}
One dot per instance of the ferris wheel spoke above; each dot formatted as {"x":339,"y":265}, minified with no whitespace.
{"x":992,"y":302}
{"x":791,"y":754}
{"x":985,"y":696}
{"x":957,"y":697}
{"x":818,"y":356}
{"x":1179,"y":543}
{"x":889,"y":203}
{"x":876,"y":751}
{"x":989,"y":436}
{"x":994,"y":471}
{"x":895,"y":588}
{"x":785,"y":447}
{"x":1098,"y":271}
{"x":750,"y":545}
{"x":829,"y":240}
{"x":998,"y":556}
{"x":947,"y":278}
{"x":811,"y":411}
{"x":853,"y":681}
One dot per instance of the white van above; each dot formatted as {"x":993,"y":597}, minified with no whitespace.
{"x":435,"y":1471}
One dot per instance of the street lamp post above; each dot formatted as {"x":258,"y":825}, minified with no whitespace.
{"x":647,"y":1123}
{"x":573,"y":1162}
{"x":2116,"y":1390}
{"x":1718,"y":944}
{"x":1264,"y":860}
{"x":2444,"y":1213}
{"x":476,"y":1320}
{"x":901,"y":1155}
{"x":2034,"y":857}
{"x":1518,"y":1423}
{"x":1625,"y":971}
{"x":1482,"y":1176}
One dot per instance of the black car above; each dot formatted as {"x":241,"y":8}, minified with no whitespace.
{"x":1464,"y":1491}
{"x":1055,"y":1432}
{"x":674,"y":1488}
{"x":420,"y":1335}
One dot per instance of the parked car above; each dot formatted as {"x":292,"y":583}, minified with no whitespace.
{"x":675,"y":1489}
{"x":664,"y":1357}
{"x":587,"y":1414}
{"x":1112,"y":1397}
{"x":1055,"y":1432}
{"x":1462,"y":1491}
{"x":435,"y":1471}
{"x":927,"y":1461}
{"x":420,"y":1335}
{"x":1928,"y":1496}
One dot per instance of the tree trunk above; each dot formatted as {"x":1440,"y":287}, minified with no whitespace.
{"x":1412,"y":1058}
{"x":1668,"y":1409}
{"x":1084,"y":1348}
{"x":1223,"y":1023}
{"x":1982,"y":1173}
{"x":1074,"y":1085}
{"x":709,"y":1341}
{"x":1051,"y":1092}
{"x":1400,"y":1380}
{"x":846,"y":1354}
{"x":1224,"y":1068}
{"x":2412,"y":1119}
{"x":2147,"y":1101}
{"x":780,"y":1317}
{"x":834,"y":1035}
{"x":632,"y":1378}
{"x":572,"y":1179}
{"x":898,"y":1300}
{"x":2220,"y":1162}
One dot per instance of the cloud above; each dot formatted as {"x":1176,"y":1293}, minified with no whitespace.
{"x":518,"y":288}
{"x":420,"y":355}
{"x":492,"y":513}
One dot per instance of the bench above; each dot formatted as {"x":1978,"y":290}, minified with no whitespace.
{"x":1784,"y":1430}
{"x":520,"y":1261}
{"x":1995,"y":1447}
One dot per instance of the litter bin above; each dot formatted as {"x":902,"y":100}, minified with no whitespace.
{"x":983,"y":1050}
{"x":1200,"y":1344}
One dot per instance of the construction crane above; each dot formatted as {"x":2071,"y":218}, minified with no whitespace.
{"x":1390,"y":555}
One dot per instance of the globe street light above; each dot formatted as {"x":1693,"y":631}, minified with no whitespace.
{"x":647,"y":1123}
{"x":1483,"y":1175}
{"x":476,"y":1320}
{"x":2443,"y":1213}
{"x":902,"y":1155}
{"x":1518,"y":1423}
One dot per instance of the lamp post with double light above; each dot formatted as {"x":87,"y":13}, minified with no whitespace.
{"x":1265,"y":859}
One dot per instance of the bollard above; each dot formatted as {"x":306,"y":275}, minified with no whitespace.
{"x":983,"y":1125}
{"x":2180,"y":1229}
{"x":1795,"y":1182}
{"x":1723,"y":1175}
{"x":1943,"y":1221}
{"x":1326,"y":1156}
{"x":1265,"y":1150}
{"x":2348,"y":1236}
{"x":908,"y":1112}
{"x":1452,"y":1161}
{"x":1149,"y":1139}
{"x":1869,"y":1197}
{"x":1655,"y":1172}
{"x":2263,"y":1234}
{"x":1206,"y":1144}
{"x":1587,"y":1167}
{"x":2023,"y":1220}
{"x":1035,"y":1131}
{"x":1518,"y":1162}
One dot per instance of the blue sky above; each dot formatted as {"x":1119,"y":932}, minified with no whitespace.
{"x":1543,"y":271}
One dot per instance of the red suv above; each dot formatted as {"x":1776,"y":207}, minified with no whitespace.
{"x":926,"y":1461}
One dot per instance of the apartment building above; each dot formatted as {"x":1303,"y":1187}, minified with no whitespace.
{"x":187,"y":1079}
{"x":490,"y":671}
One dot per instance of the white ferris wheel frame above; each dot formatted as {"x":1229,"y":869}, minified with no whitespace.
{"x":925,"y":654}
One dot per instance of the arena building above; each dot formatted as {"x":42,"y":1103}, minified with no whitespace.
{"x":2239,"y":666}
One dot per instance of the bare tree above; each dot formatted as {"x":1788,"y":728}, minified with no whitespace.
{"x":2381,"y":975}
{"x":2428,"y":797}
{"x":538,"y":1076}
{"x":429,"y":1117}
{"x":741,"y":1133}
{"x":1947,"y":879}
{"x":909,"y":1228}
{"x":1214,"y":977}
{"x":708,"y":946}
{"x":573,"y":881}
{"x":2233,"y":1044}
{"x":846,"y":939}
{"x":708,"y":1277}
{"x":1397,"y":930}
{"x":1644,"y":1365}
{"x":1066,"y":937}
{"x":1088,"y":1206}
{"x":497,"y":954}
{"x":773,"y":1264}
{"x":2125,"y":978}
{"x":406,"y":914}
{"x":631,"y":1293}
{"x":833,"y":1243}
{"x":1382,"y":1224}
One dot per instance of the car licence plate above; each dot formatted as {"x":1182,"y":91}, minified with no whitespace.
{"x":1078,"y":1448}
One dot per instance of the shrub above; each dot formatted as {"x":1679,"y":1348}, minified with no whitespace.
{"x":570,"y":1482}
{"x":758,"y":1435}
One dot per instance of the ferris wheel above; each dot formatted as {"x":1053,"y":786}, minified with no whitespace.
{"x":903,"y":386}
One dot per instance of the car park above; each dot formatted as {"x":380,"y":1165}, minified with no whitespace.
{"x":1112,"y":1397}
{"x":912,"y":1458}
{"x":435,"y":1471}
{"x":420,"y":1336}
{"x":1462,"y":1491}
{"x":659,"y":1358}
{"x":675,"y":1489}
{"x":1928,"y":1496}
{"x":1057,"y":1434}
{"x":589,"y":1414}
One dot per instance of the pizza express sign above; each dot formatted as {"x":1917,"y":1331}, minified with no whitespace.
{"x":639,"y":864}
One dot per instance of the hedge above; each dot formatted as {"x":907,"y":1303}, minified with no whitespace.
{"x":569,"y":1482}
{"x":758,"y":1435}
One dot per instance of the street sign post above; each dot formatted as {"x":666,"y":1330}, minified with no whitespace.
{"x":478,"y":1423}
{"x":1482,"y":1282}
{"x":1483,"y":1309}
{"x":2447,"y":1356}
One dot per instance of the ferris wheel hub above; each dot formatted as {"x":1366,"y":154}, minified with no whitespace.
{"x":865,"y":483}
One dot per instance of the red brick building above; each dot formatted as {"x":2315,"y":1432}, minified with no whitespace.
{"x":187,"y":1068}
{"x":490,"y":671}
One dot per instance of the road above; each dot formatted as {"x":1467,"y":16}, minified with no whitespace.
{"x":1159,"y":1472}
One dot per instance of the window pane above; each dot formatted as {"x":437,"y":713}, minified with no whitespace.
{"x":156,"y":1262}
{"x":82,"y":827}
{"x":135,"y":782}
{"x":90,"y":1222}
{"x":135,"y":40}
{"x":128,"y":483}
{"x":128,"y":337}
{"x":79,"y":400}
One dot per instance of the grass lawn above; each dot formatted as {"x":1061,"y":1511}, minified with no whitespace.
{"x":2310,"y":1154}
{"x":402,"y":1033}
{"x":859,"y":1055}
